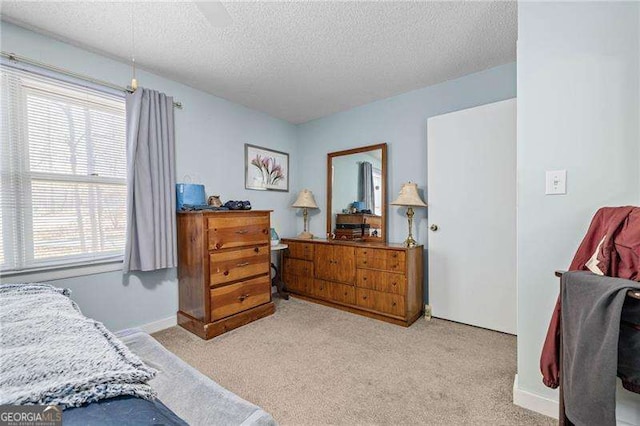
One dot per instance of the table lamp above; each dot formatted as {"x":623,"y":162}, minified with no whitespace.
{"x":410,"y":198}
{"x":305,"y":201}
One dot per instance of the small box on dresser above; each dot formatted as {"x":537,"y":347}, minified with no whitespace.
{"x":382,"y":281}
{"x":224,"y":275}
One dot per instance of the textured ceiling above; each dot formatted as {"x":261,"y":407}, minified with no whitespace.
{"x":294,"y":60}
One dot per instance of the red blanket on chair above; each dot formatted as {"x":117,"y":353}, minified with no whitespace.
{"x":611,"y":247}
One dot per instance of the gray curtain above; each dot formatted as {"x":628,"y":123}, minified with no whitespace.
{"x":365,"y":185}
{"x":151,"y":182}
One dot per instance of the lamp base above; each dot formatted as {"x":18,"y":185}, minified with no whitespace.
{"x":305,"y":235}
{"x":410,"y":242}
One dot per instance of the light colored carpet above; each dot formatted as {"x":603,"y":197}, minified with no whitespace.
{"x":310,"y":364}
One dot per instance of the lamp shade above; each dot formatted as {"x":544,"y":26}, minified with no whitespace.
{"x":305,"y":199}
{"x":409,"y":196}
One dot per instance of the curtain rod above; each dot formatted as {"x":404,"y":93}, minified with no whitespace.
{"x":16,"y":58}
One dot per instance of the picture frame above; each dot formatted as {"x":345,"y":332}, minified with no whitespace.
{"x":265,"y":169}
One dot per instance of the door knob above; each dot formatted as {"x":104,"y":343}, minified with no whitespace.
{"x":434,"y":227}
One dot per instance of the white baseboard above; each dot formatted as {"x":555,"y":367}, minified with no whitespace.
{"x":162,"y":324}
{"x":533,"y":402}
{"x":627,"y":409}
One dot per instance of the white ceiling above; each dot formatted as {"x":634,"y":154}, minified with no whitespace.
{"x":294,"y":60}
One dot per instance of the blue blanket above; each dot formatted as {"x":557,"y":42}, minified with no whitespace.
{"x":123,"y":410}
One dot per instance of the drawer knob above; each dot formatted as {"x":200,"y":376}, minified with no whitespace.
{"x":393,"y":283}
{"x":243,"y":297}
{"x":364,"y":278}
{"x":393,"y":304}
{"x":225,"y":273}
{"x":257,"y":249}
{"x":365,"y":262}
{"x":364,"y":297}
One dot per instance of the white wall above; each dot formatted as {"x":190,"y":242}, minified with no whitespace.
{"x":210,"y":137}
{"x":578,"y":109}
{"x":400,"y":121}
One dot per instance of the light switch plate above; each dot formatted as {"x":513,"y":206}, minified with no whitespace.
{"x":556,"y":182}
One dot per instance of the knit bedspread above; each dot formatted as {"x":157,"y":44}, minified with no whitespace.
{"x":52,"y":354}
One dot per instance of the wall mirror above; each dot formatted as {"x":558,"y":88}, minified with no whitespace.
{"x":357,"y":194}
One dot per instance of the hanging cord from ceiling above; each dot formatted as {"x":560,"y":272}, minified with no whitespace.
{"x":134,"y":81}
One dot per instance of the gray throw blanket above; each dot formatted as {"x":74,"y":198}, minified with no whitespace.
{"x":52,"y":354}
{"x":629,"y":346}
{"x":591,"y":313}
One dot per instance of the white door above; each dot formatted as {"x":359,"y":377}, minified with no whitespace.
{"x":471,"y":193}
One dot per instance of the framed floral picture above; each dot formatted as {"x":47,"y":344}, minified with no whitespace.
{"x":265,"y":169}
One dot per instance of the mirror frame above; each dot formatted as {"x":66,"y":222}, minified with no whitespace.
{"x":330,"y":157}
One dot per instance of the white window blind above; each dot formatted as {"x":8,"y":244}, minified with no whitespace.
{"x":63,"y":173}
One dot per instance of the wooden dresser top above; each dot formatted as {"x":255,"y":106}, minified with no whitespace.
{"x":371,"y":244}
{"x":221,"y":212}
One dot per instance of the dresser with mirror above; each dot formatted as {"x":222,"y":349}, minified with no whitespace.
{"x":354,"y":268}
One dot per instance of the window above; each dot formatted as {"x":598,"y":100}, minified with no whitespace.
{"x":377,"y":191}
{"x":63,"y":173}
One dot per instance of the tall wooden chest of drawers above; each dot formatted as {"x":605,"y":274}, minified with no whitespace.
{"x":224,"y":274}
{"x":382,"y":281}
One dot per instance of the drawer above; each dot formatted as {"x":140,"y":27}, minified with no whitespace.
{"x":334,"y":292}
{"x":300,"y":250}
{"x":386,"y":303}
{"x":320,"y":289}
{"x":387,"y":282}
{"x":234,"y":298}
{"x":297,"y":284}
{"x":303,"y":268}
{"x":237,"y":264}
{"x":386,"y":260}
{"x":342,"y":293}
{"x":229,"y":232}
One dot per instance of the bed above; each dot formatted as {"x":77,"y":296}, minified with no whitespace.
{"x":193,"y":396}
{"x":51,"y":354}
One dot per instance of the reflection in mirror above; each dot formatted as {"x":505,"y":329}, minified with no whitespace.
{"x":356,"y":199}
